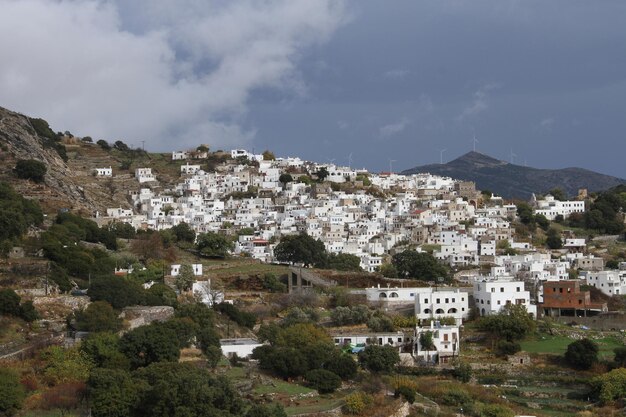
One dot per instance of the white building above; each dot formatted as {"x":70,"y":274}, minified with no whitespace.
{"x":491,"y":295}
{"x":175,"y":269}
{"x":435,"y":303}
{"x":241,"y":347}
{"x":189,"y":169}
{"x":392,"y":294}
{"x":179,"y":155}
{"x":609,"y":282}
{"x":446,"y":343}
{"x":144,"y":175}
{"x":551,"y":208}
{"x":104,"y":172}
{"x":358,"y":341}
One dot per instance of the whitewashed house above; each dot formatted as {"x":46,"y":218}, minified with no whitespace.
{"x":609,"y":282}
{"x":175,"y":269}
{"x":551,"y":208}
{"x":490,"y":295}
{"x":144,"y":175}
{"x":104,"y":172}
{"x":179,"y":155}
{"x":435,"y":303}
{"x":445,"y":340}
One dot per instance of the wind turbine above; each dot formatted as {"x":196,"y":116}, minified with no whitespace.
{"x":391,"y":161}
{"x":350,"y":160}
{"x":474,"y":142}
{"x":512,"y":155}
{"x":441,"y":151}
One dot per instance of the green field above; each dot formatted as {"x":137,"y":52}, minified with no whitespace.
{"x":557,"y":345}
{"x":278,"y":386}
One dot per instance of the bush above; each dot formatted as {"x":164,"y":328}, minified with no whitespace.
{"x":343,"y":365}
{"x":323,"y":381}
{"x":104,"y":144}
{"x":505,"y":347}
{"x":242,"y":318}
{"x":379,"y":358}
{"x":462,"y":371}
{"x":11,"y":392}
{"x":31,"y":169}
{"x":582,"y":354}
{"x":357,"y":403}
{"x":407,"y":393}
{"x":99,"y":316}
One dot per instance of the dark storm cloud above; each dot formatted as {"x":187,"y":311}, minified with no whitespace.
{"x":384,"y":80}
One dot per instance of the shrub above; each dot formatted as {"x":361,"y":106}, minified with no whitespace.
{"x":357,"y":402}
{"x":406,"y":392}
{"x":379,"y":358}
{"x":31,"y":169}
{"x":323,"y":381}
{"x":582,"y":354}
{"x":11,"y":392}
{"x":506,"y":347}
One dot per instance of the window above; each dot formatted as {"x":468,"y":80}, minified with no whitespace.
{"x":336,"y":340}
{"x":501,"y":289}
{"x":453,"y":300}
{"x":561,"y":290}
{"x":438,"y":300}
{"x":447,"y":300}
{"x":493,"y":290}
{"x":426,"y":300}
{"x":517,"y":289}
{"x":498,"y":302}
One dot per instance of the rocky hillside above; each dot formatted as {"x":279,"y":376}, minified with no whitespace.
{"x":515,"y":181}
{"x":71,"y":183}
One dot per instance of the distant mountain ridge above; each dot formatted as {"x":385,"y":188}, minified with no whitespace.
{"x":516,"y":181}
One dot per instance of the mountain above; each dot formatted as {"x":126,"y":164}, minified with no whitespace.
{"x":69,"y":182}
{"x":516,"y":181}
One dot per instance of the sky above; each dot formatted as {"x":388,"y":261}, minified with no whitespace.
{"x":377,"y":84}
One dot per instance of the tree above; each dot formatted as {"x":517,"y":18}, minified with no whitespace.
{"x":301,"y":248}
{"x":183,"y":389}
{"x":422,"y":265}
{"x":426,"y":341}
{"x":275,"y":410}
{"x":322,"y":174}
{"x":103,"y":144}
{"x":103,"y":350}
{"x":202,"y":148}
{"x":323,"y":381}
{"x":285,"y":178}
{"x":581,"y":354}
{"x":12,"y":393}
{"x":9,"y":302}
{"x":610,"y":386}
{"x":112,"y":393}
{"x":213,"y":245}
{"x":388,"y":270}
{"x":99,"y":316}
{"x":379,"y":358}
{"x":117,"y":291}
{"x":152,"y":343}
{"x":525,"y":213}
{"x":344,"y":262}
{"x":184,"y":233}
{"x":542,"y":221}
{"x":553,"y":240}
{"x":63,"y":365}
{"x":28,"y":311}
{"x":620,"y":356}
{"x":121,"y":146}
{"x":512,"y":323}
{"x":342,"y":365}
{"x":558,"y":194}
{"x":161,"y":295}
{"x":30,"y":169}
{"x":185,"y":278}
{"x":268,"y":156}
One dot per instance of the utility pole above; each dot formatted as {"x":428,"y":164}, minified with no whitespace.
{"x":143,"y":148}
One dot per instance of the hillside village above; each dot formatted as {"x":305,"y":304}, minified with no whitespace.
{"x":424,"y":281}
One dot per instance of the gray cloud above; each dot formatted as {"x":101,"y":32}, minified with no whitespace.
{"x":168,"y":72}
{"x":393,"y":129}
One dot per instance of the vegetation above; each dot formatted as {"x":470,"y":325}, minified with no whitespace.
{"x":213,"y":245}
{"x":379,"y":358}
{"x":582,"y":354}
{"x":411,"y":263}
{"x":301,"y":248}
{"x":11,"y":305}
{"x":31,"y":169}
{"x":17,"y":214}
{"x":99,"y":316}
{"x":12,"y":393}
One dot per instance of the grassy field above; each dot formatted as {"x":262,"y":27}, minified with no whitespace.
{"x":557,"y":345}
{"x":278,"y":386}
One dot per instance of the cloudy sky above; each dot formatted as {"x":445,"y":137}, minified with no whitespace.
{"x":375,"y":81}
